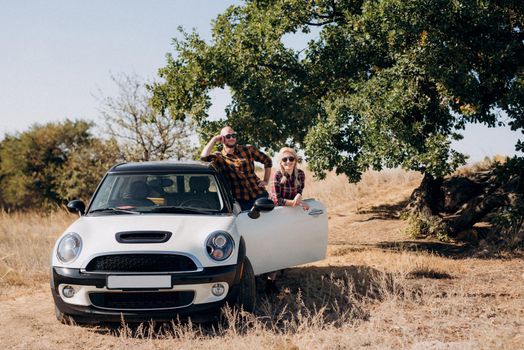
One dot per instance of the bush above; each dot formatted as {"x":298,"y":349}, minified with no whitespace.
{"x":50,"y":164}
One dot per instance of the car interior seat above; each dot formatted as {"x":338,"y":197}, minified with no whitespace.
{"x":199,"y":189}
{"x":136,"y":196}
{"x":199,"y":185}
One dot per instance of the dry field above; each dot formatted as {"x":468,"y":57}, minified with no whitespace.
{"x":377,"y":289}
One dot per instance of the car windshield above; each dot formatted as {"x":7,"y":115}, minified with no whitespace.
{"x":122,"y":193}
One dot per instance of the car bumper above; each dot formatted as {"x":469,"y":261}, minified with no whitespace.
{"x":189,"y":295}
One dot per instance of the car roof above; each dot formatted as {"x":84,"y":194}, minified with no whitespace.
{"x":164,"y":166}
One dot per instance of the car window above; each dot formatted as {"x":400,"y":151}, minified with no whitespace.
{"x":148,"y":193}
{"x":104,"y":194}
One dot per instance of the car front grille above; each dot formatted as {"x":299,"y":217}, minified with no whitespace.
{"x":142,"y":300}
{"x":141,"y":263}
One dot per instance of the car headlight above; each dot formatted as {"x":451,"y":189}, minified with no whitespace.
{"x":220,"y":245}
{"x":69,"y":247}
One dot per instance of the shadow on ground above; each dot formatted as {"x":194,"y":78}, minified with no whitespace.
{"x":448,"y":250}
{"x":309,"y":295}
{"x":454,"y":249}
{"x":336,"y":292}
{"x":384,"y":211}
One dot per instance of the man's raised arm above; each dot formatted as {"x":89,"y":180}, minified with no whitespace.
{"x":207,"y":150}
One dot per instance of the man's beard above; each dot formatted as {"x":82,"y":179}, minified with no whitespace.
{"x":230,"y":145}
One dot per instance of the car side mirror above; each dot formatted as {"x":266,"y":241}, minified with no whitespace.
{"x":76,"y":206}
{"x":261,"y":204}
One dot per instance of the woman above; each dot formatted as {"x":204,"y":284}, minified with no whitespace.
{"x":286,"y":190}
{"x":288,"y":180}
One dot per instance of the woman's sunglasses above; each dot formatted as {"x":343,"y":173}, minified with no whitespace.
{"x":285,"y":159}
{"x":231,"y":136}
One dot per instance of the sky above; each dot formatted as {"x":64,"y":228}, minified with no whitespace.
{"x":56,"y":55}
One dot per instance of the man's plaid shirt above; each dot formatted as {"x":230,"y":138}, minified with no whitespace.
{"x":239,"y":170}
{"x":287,"y":190}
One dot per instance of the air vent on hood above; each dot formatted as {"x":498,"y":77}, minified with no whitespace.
{"x":143,"y":236}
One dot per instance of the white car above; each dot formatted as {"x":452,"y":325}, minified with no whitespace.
{"x":164,"y":239}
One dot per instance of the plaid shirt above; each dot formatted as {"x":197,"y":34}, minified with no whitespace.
{"x":239,"y":170}
{"x":287,"y":190}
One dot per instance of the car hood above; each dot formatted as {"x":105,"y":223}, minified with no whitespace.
{"x":189,"y":233}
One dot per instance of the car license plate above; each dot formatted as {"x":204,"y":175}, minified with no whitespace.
{"x":143,"y":281}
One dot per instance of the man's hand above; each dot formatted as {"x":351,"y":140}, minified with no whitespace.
{"x":207,"y":149}
{"x":262,"y":184}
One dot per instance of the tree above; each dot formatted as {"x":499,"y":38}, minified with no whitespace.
{"x":143,"y":134}
{"x":51,"y":164}
{"x":387,"y":83}
{"x":85,"y":167}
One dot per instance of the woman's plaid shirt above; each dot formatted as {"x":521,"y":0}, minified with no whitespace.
{"x":239,"y":170}
{"x":287,"y":190}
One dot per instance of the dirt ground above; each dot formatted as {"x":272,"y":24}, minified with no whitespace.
{"x":449,"y":299}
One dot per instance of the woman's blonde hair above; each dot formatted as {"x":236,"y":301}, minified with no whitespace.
{"x":295,"y":168}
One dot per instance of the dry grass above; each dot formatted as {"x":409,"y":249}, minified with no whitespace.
{"x":26,"y":241}
{"x":484,"y":165}
{"x":376,"y":188}
{"x":375,"y":290}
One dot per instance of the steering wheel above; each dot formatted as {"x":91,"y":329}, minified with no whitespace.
{"x":195,"y":203}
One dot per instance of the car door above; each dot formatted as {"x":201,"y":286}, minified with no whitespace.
{"x":285,"y":236}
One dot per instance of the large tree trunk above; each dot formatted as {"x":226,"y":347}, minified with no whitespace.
{"x":424,"y":207}
{"x":427,"y":198}
{"x":448,"y":207}
{"x":478,"y":207}
{"x":475,"y":210}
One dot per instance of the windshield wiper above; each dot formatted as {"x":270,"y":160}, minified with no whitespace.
{"x":114,"y":210}
{"x":184,"y":210}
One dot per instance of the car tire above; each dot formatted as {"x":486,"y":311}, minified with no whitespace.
{"x":61,"y":317}
{"x":73,"y":320}
{"x":247,"y":289}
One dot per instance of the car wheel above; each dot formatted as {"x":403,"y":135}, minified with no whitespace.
{"x":70,"y":320}
{"x":63,"y":318}
{"x":247,"y":290}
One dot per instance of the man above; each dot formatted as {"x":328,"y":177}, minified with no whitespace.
{"x":236,"y":162}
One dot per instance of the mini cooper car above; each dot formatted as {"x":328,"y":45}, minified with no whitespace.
{"x":161,"y":240}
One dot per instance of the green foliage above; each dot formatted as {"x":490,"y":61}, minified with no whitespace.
{"x":84,"y":169}
{"x":509,"y":220}
{"x":52,"y":163}
{"x":509,"y":224}
{"x":386,"y":83}
{"x":419,"y":226}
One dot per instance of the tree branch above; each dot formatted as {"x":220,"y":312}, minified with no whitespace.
{"x":319,"y":24}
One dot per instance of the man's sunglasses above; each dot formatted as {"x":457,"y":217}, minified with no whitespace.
{"x":231,"y":136}
{"x":285,"y":159}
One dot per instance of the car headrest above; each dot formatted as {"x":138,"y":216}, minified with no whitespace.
{"x":138,"y":189}
{"x":199,"y":184}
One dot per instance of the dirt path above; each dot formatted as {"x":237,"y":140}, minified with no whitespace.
{"x":28,"y":322}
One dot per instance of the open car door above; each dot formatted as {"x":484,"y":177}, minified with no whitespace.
{"x":285,"y":236}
